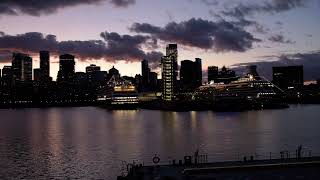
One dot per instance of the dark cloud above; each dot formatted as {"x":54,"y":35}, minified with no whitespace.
{"x":154,"y":59}
{"x":310,"y":62}
{"x":123,"y":47}
{"x":44,"y":7}
{"x":123,"y":3}
{"x":265,"y":6}
{"x":7,"y":10}
{"x":114,"y":47}
{"x":278,"y":38}
{"x":243,"y":22}
{"x":219,"y":36}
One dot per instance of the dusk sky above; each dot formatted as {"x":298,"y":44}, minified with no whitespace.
{"x":123,"y":32}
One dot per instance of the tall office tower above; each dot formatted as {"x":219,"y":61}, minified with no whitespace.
{"x":252,"y":71}
{"x":92,"y":68}
{"x":191,"y":74}
{"x":91,"y":72}
{"x":22,"y":67}
{"x":66,"y":68}
{"x":198,"y":65}
{"x":213,"y":73}
{"x":168,"y":77}
{"x":288,"y":77}
{"x":37,"y":74}
{"x":7,"y":72}
{"x":145,"y":73}
{"x":172,"y":50}
{"x":153,"y":79}
{"x":45,"y":65}
{"x":7,"y":75}
{"x":188,"y":74}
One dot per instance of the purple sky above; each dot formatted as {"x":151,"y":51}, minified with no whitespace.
{"x":122,"y":32}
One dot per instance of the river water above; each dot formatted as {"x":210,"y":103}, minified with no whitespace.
{"x":91,"y":143}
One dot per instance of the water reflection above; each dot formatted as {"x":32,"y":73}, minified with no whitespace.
{"x":90,"y":143}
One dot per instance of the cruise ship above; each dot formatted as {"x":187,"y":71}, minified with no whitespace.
{"x":124,"y":96}
{"x":247,"y":93}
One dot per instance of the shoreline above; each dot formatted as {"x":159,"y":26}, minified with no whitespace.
{"x":173,"y":107}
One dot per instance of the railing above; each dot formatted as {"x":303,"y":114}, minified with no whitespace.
{"x":198,"y":159}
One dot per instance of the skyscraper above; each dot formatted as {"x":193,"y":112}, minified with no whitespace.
{"x":145,"y":73}
{"x":7,"y":75}
{"x":213,"y":72}
{"x":22,"y":67}
{"x":172,"y":50}
{"x":188,"y":74}
{"x":44,"y":65}
{"x":153,"y":78}
{"x":169,"y":64}
{"x":191,"y":74}
{"x":92,"y":68}
{"x":91,"y":72}
{"x":7,"y":71}
{"x":66,"y":68}
{"x":168,"y":77}
{"x":198,"y":64}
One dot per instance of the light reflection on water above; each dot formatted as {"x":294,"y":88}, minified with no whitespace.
{"x":90,"y":143}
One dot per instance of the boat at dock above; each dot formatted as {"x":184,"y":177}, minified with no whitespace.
{"x":124,"y":97}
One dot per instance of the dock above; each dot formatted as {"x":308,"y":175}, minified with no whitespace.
{"x":284,"y":168}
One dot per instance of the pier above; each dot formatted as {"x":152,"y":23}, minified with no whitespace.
{"x":198,"y":168}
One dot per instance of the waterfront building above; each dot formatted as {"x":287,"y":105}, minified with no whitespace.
{"x":145,"y":71}
{"x":66,"y":68}
{"x":288,"y":77}
{"x":168,"y":77}
{"x":198,"y":64}
{"x":91,"y":72}
{"x":191,"y":74}
{"x":153,"y":80}
{"x":149,"y":79}
{"x":45,"y":65}
{"x":169,"y":67}
{"x":7,"y":74}
{"x":22,"y":67}
{"x":213,"y":72}
{"x":138,"y":82}
{"x":172,"y":51}
{"x":92,"y":68}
